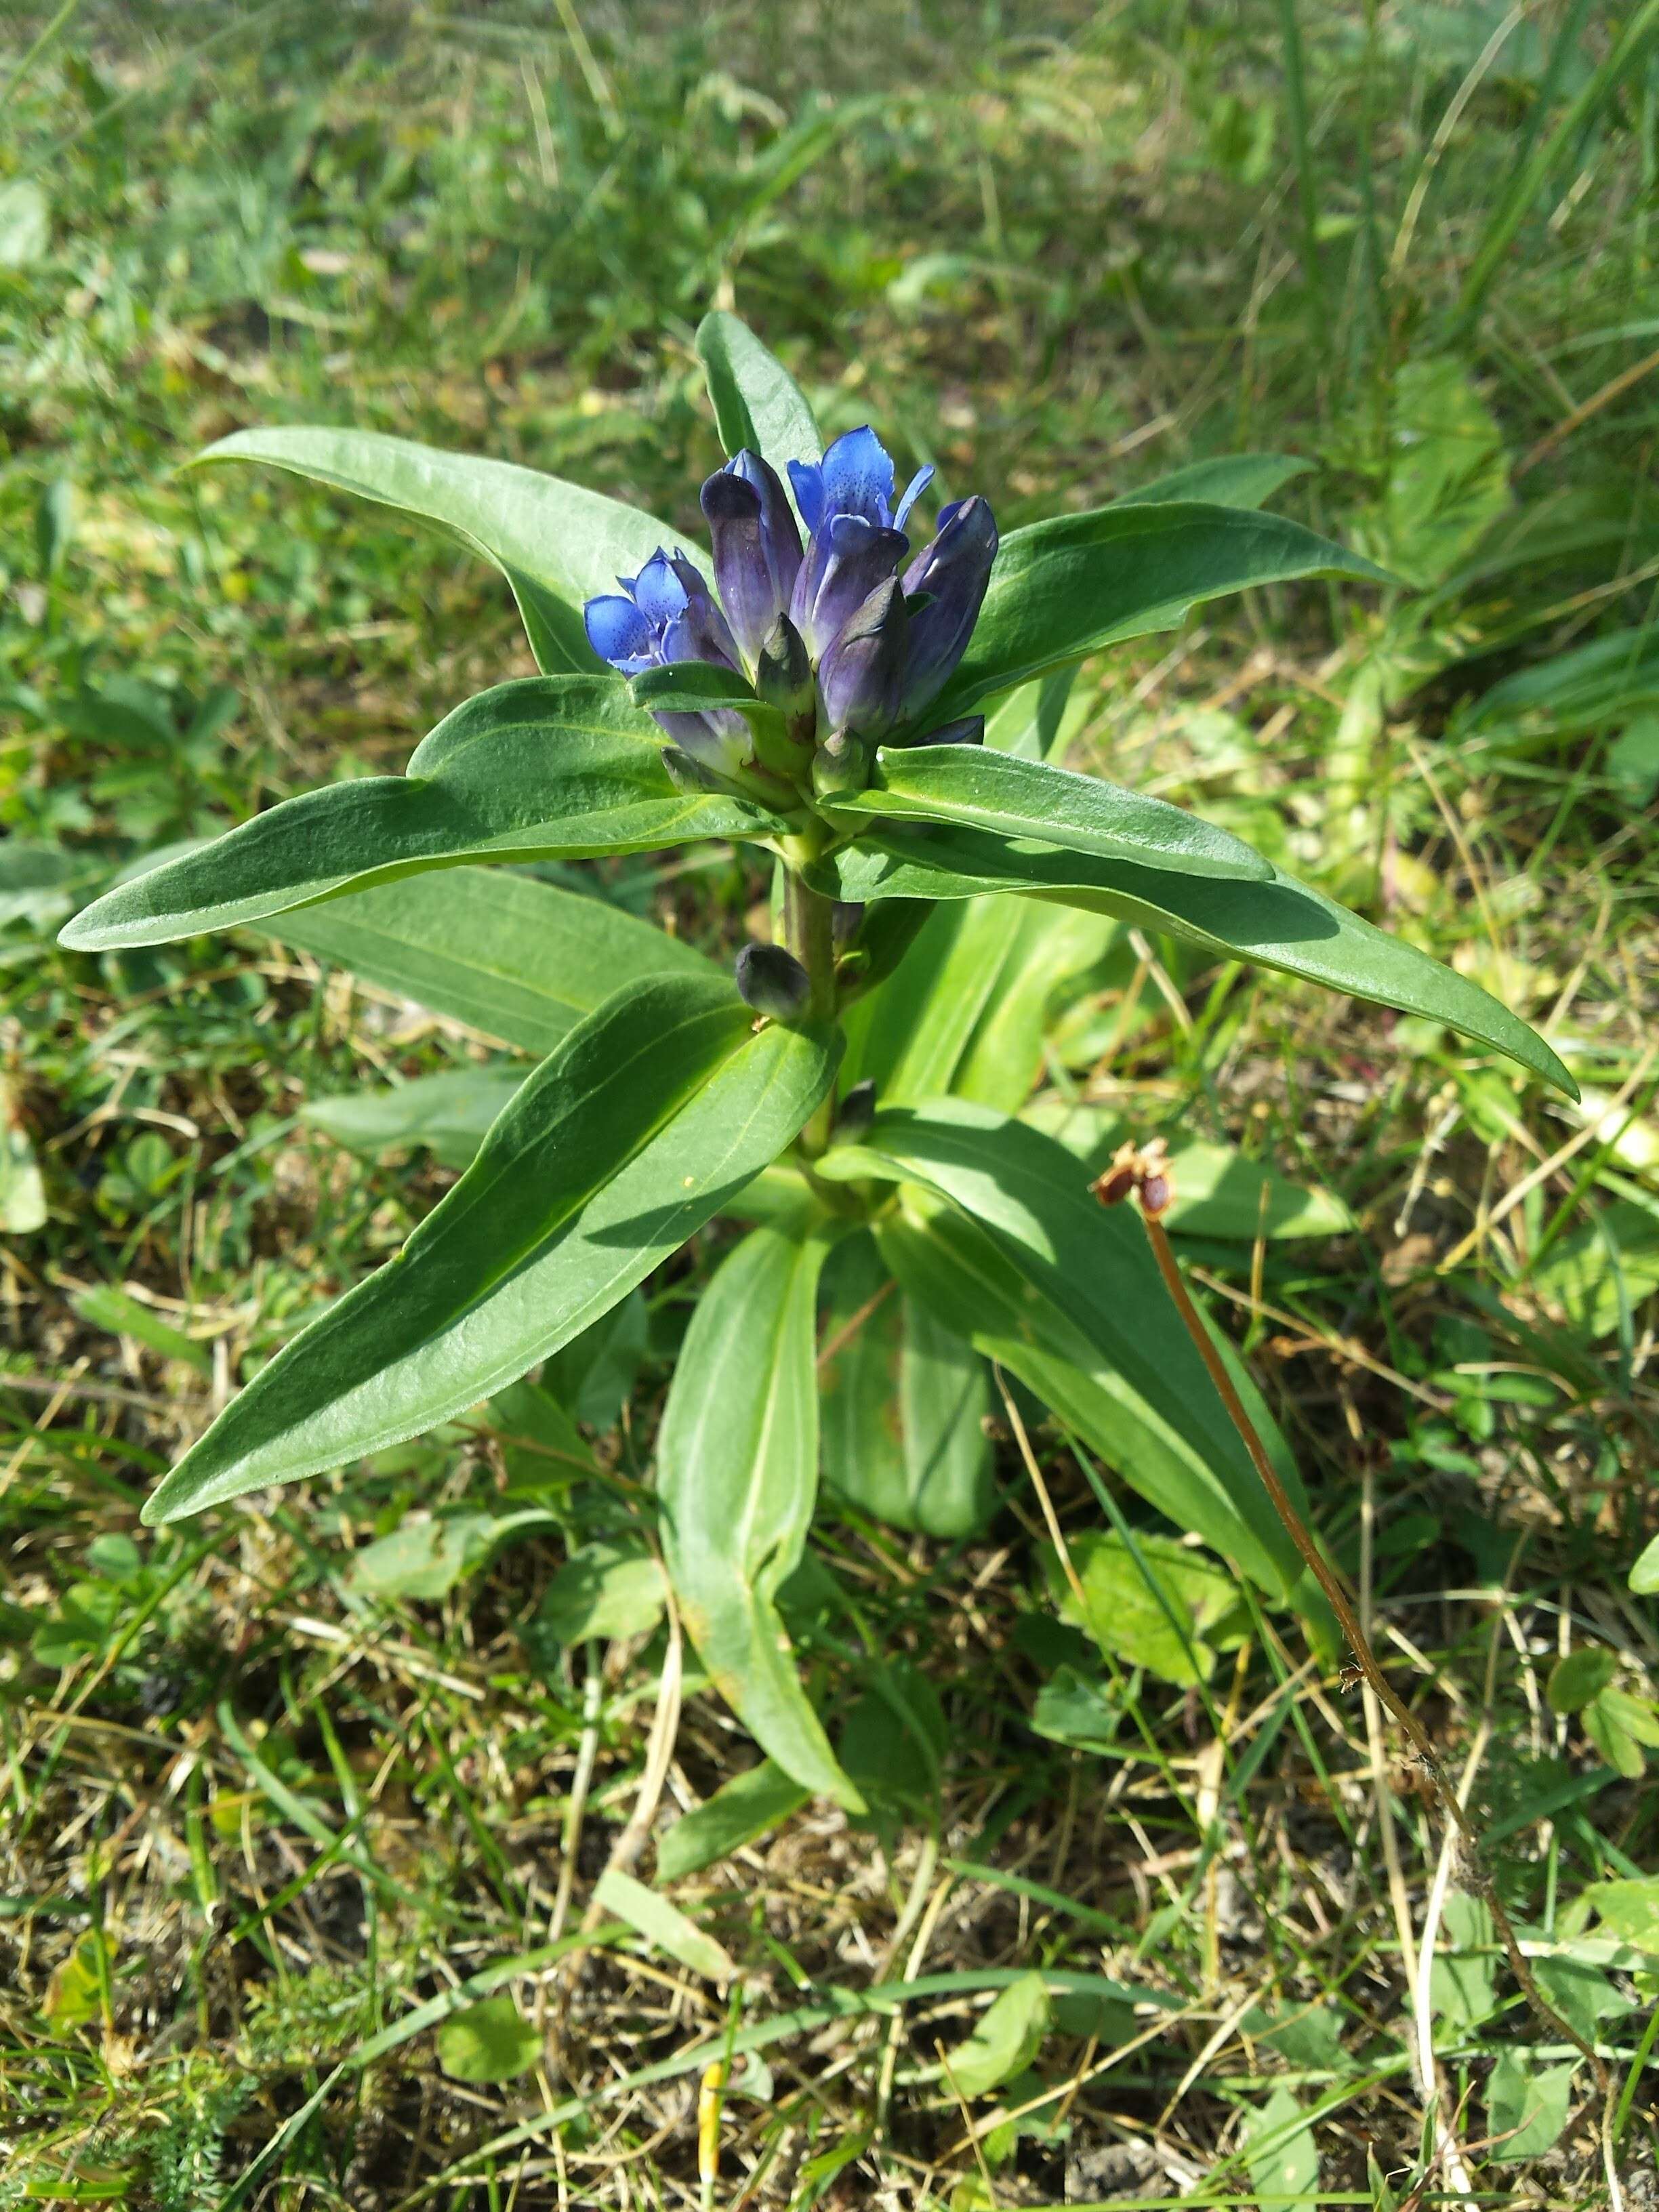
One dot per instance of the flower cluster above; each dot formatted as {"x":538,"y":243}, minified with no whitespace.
{"x":846,"y":643}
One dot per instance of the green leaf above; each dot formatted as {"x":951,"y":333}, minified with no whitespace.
{"x":557,"y":543}
{"x":894,"y":1743}
{"x":1282,"y":2156}
{"x":1039,"y":721}
{"x":1463,"y":1979}
{"x":427,"y":1559}
{"x":903,"y":1401}
{"x":736,"y":1471}
{"x":491,"y":2041}
{"x":663,"y":1925}
{"x":1583,"y":1994}
{"x":1071,"y":1360}
{"x":1075,"y":1710}
{"x":1598,"y":1270}
{"x":1163,"y":1628}
{"x":446,"y":1115}
{"x":594,"y":1374}
{"x":1007,"y":2038}
{"x":101,"y":1305}
{"x":739,"y":1811}
{"x":978,"y":788}
{"x":1527,"y":2105}
{"x":1048,"y":953}
{"x":758,"y":404}
{"x":1612,"y":679}
{"x":1066,"y":1293}
{"x":549,"y":767}
{"x":908,"y":1036}
{"x":38,"y":882}
{"x":1581,"y":1675}
{"x":633,"y":1131}
{"x":1065,"y":588}
{"x":1283,"y":924}
{"x":607,"y":1588}
{"x":75,"y":1995}
{"x":25,"y":224}
{"x":23,"y":1187}
{"x":1448,"y":481}
{"x":518,"y":959}
{"x":968,"y":1008}
{"x":1644,"y":1574}
{"x":1245,"y":480}
{"x":1630,"y":1909}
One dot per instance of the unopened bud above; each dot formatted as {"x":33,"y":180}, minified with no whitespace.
{"x":773,"y":981}
{"x":856,"y":1112}
{"x":688,"y":775}
{"x":783,"y":677}
{"x":840,"y":766}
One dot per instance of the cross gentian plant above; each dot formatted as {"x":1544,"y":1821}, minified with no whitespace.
{"x":804,"y":694}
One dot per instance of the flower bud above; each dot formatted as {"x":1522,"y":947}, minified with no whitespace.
{"x":860,"y":675}
{"x":691,"y":775}
{"x":783,"y":677}
{"x":773,"y":981}
{"x":951,"y":573}
{"x":856,"y":1112}
{"x":839,"y":766}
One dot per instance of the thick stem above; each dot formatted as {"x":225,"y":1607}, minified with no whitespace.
{"x":809,"y":931}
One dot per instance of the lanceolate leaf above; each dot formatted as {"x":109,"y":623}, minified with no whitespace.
{"x":557,"y":543}
{"x":1231,"y":480}
{"x":980,"y":789}
{"x":1067,"y":1294}
{"x":1282,"y":924}
{"x":737,"y":1470}
{"x":757,"y":402}
{"x":553,"y":766}
{"x":1064,"y":588}
{"x":650,"y":1115}
{"x":905,"y":1399}
{"x":908,"y":1037}
{"x":518,"y":959}
{"x":949,"y":1264}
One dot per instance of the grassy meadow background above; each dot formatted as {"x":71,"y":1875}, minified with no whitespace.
{"x":273,"y":1781}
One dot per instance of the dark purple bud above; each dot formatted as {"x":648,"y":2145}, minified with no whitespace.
{"x":861,"y":676}
{"x":783,"y":674}
{"x":773,"y":981}
{"x":840,"y":764}
{"x":968,"y":731}
{"x":756,"y":546}
{"x":847,"y":559}
{"x":952,"y":572}
{"x":856,"y":1112}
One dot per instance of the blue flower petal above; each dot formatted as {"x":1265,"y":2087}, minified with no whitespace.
{"x":858,"y":477}
{"x":913,"y":492}
{"x":807,"y":478}
{"x":658,"y":591}
{"x":619,"y":633}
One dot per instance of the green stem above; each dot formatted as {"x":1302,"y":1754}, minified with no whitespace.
{"x":809,"y":933}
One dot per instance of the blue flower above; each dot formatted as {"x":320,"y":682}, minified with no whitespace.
{"x":757,"y":547}
{"x":879,"y":640}
{"x":667,"y":613}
